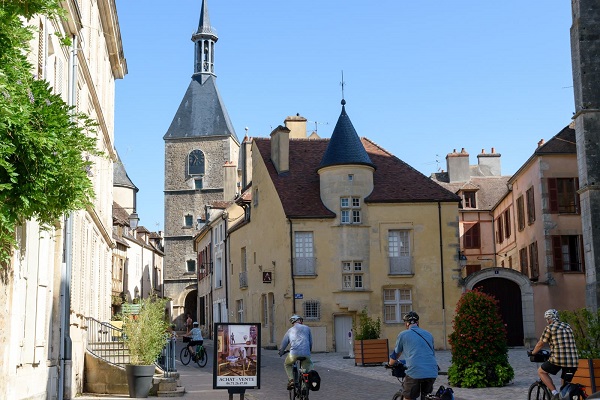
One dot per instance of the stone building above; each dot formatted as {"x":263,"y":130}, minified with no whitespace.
{"x":330,"y":227}
{"x":201,"y":152}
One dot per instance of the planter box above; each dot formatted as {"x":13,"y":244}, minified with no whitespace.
{"x":588,"y":374}
{"x":371,"y":351}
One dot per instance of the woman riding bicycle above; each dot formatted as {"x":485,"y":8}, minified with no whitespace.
{"x":299,"y":338}
{"x":197,"y":339}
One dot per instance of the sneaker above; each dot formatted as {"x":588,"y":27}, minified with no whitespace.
{"x":290,"y":384}
{"x":556,"y":396}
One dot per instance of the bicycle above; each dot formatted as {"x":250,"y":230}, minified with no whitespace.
{"x":300,"y":388}
{"x":538,"y":389}
{"x":200,"y":357}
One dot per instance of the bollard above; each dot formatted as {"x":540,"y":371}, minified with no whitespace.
{"x":351,"y":341}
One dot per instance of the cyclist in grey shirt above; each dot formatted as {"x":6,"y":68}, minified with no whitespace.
{"x":299,"y":338}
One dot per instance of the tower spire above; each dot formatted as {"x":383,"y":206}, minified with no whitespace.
{"x":204,"y":43}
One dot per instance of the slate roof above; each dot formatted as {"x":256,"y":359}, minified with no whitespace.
{"x":562,"y":143}
{"x":120,"y":216}
{"x":345,"y":147}
{"x":490,"y":189}
{"x":299,"y":188}
{"x":201,"y":112}
{"x":120,"y":177}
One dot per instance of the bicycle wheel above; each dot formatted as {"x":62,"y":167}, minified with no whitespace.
{"x":202,"y":357}
{"x":538,"y":391}
{"x":398,"y":395}
{"x":185,"y":356}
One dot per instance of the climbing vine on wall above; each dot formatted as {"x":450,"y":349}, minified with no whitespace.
{"x":45,"y":147}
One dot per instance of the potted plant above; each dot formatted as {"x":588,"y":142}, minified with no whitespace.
{"x":586,"y":330}
{"x":368,"y":347}
{"x":144,"y":335}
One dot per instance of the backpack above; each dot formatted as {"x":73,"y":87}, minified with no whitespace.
{"x":314,"y":380}
{"x":570,"y":390}
{"x":444,"y":393}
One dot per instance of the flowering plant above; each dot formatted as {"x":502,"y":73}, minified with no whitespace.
{"x":479,"y":338}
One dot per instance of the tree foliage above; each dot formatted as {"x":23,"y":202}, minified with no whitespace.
{"x":368,"y":328}
{"x":146,"y":332}
{"x":45,"y":147}
{"x":586,"y":331}
{"x":479,"y":345}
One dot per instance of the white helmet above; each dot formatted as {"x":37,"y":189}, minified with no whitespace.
{"x":295,"y":318}
{"x":551,"y":314}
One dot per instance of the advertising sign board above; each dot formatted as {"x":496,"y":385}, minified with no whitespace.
{"x":236,"y":363}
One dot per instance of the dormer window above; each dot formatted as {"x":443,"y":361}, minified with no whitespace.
{"x":469,"y":199}
{"x":350,"y":210}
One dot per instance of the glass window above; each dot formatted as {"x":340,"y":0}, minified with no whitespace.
{"x":191,"y":265}
{"x":352,"y":275}
{"x":350,"y":212}
{"x":469,"y":199}
{"x":563,"y":196}
{"x":472,"y":236}
{"x":567,"y":252}
{"x":312,"y":310}
{"x":189,"y":220}
{"x":396,"y":304}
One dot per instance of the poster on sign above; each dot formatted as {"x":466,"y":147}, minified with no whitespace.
{"x":237,"y":356}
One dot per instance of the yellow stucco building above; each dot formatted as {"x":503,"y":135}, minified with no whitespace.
{"x":331,"y":226}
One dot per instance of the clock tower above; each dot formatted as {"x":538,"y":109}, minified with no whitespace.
{"x":198,"y":143}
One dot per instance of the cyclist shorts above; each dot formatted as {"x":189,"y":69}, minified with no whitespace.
{"x":567,"y":372}
{"x":195,"y":343}
{"x":413,"y":388}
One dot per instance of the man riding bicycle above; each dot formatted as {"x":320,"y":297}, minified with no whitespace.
{"x":416,"y":345}
{"x":197,"y":339}
{"x":563,"y":352}
{"x":299,"y":337}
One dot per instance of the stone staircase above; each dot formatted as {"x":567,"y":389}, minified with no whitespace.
{"x":105,"y":360}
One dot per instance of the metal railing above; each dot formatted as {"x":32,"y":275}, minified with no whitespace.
{"x":105,"y":341}
{"x":401,"y":265}
{"x":305,"y":266}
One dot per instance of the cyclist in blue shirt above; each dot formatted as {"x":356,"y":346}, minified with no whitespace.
{"x":299,"y":338}
{"x":416,"y":346}
{"x":197,"y":339}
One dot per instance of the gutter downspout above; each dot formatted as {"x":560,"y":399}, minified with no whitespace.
{"x":226,"y":268}
{"x":292,"y":268}
{"x":65,"y":349}
{"x":442,"y":275}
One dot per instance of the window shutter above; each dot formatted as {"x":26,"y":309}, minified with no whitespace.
{"x":557,"y":253}
{"x":553,"y":195}
{"x":476,"y":236}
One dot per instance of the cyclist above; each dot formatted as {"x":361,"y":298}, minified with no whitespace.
{"x":416,"y":345}
{"x":197,"y":339}
{"x":299,"y":337}
{"x":563,"y":352}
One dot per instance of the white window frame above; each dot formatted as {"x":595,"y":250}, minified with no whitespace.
{"x":397,"y":303}
{"x":353,"y":274}
{"x":350,"y":210}
{"x":304,"y":243}
{"x":312,"y":310}
{"x":239,"y":305}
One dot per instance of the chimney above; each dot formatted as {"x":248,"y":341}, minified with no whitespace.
{"x":229,"y":180}
{"x":489,"y":164}
{"x":541,"y":143}
{"x":280,"y":149}
{"x":457,"y":165}
{"x":297,"y":126}
{"x":246,"y":160}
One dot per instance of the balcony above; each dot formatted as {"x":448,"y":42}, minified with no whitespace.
{"x":402,"y":265}
{"x":305,"y":266}
{"x":243,"y":280}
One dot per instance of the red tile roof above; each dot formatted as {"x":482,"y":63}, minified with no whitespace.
{"x":299,"y":189}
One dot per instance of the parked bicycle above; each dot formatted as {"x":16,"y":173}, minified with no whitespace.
{"x":200,"y":357}
{"x":539,"y":391}
{"x":300,"y":388}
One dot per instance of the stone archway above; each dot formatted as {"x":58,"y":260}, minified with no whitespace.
{"x":493,"y":277}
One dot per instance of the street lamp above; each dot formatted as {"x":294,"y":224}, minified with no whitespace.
{"x":133,"y":221}
{"x":462,"y":259}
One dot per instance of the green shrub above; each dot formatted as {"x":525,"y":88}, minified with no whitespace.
{"x":367,"y":328}
{"x":479,"y":347}
{"x":146,"y":333}
{"x":586,"y":330}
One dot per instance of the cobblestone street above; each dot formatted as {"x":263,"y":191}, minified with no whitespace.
{"x":342,"y":380}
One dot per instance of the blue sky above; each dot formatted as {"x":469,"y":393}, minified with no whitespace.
{"x":421,"y":77}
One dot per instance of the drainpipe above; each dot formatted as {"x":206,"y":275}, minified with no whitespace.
{"x":224,"y":216}
{"x":292,"y":268}
{"x":65,"y":348}
{"x":442,"y":274}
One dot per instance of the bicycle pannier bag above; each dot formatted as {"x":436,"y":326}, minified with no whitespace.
{"x":314,"y":380}
{"x":444,"y":393}
{"x":540,"y":356}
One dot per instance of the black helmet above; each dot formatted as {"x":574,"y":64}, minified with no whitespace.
{"x":411,"y":317}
